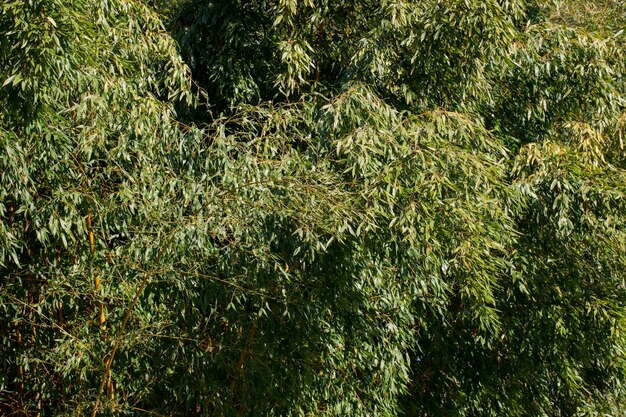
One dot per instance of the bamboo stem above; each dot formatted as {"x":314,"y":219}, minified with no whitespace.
{"x":92,"y":243}
{"x":242,"y":357}
{"x":20,"y":367}
{"x":38,"y":398}
{"x":120,"y":334}
{"x":92,"y":249}
{"x":109,"y":386}
{"x":60,"y":314}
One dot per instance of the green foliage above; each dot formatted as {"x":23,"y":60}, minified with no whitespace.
{"x":314,"y":208}
{"x":603,"y":16}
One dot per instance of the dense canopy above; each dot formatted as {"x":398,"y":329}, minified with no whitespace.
{"x":313,"y":208}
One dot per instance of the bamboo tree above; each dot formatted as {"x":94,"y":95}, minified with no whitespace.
{"x":311,"y":208}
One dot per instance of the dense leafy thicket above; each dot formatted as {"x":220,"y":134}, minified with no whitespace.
{"x":312,"y":207}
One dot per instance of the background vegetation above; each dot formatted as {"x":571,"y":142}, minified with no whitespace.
{"x":312,"y":207}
